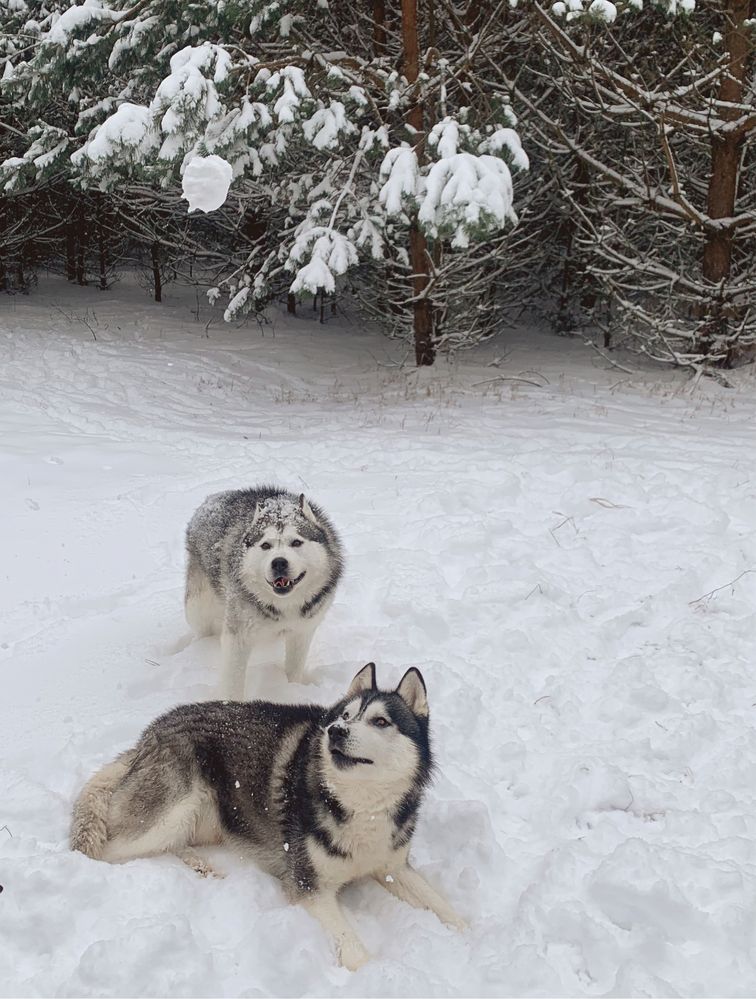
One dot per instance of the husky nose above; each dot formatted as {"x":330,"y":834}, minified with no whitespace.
{"x":279,"y":566}
{"x":337,"y":734}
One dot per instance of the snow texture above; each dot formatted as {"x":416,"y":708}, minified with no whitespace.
{"x":553,"y":558}
{"x":206,"y":182}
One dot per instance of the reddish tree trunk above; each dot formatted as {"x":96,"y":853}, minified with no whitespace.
{"x":379,"y":27}
{"x":725,"y":152}
{"x":425,"y":351}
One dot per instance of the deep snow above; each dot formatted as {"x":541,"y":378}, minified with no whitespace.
{"x":535,"y":551}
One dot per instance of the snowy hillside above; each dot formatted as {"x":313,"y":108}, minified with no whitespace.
{"x":537,"y":544}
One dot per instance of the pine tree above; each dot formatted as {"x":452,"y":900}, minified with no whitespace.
{"x":319,"y":118}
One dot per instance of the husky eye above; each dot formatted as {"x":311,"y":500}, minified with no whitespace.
{"x":266,"y":545}
{"x":381,"y":723}
{"x":345,"y":716}
{"x":296,"y":543}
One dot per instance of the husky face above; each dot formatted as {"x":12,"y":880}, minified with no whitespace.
{"x":377,"y":737}
{"x":284,"y":550}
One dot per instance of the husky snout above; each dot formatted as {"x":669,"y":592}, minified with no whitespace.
{"x":337,"y":734}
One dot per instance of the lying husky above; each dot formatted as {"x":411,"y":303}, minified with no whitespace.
{"x":260,"y":562}
{"x":318,"y":797}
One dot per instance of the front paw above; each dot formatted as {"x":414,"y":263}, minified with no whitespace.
{"x":352,"y":955}
{"x":457,"y":922}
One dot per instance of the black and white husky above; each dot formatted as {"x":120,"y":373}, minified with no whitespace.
{"x":260,"y":563}
{"x":319,"y":797}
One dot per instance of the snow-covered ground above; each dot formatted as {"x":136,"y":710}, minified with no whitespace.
{"x":537,"y":551}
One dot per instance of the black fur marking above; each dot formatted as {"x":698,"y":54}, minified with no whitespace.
{"x":322,"y":836}
{"x":213,"y":767}
{"x":251,"y":538}
{"x":405,"y":818}
{"x":334,"y":807}
{"x":312,"y":604}
{"x":401,"y":837}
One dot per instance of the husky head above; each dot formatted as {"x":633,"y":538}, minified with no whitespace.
{"x":285,"y":550}
{"x":375,"y":742}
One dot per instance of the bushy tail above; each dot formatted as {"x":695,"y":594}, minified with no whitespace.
{"x":89,"y":825}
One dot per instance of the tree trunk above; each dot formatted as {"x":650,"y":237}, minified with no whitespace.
{"x":81,"y":268}
{"x":291,"y":304}
{"x":425,"y":352}
{"x":379,"y":28}
{"x":101,"y":247}
{"x":155,"y":252}
{"x":725,"y":160}
{"x":70,"y":251}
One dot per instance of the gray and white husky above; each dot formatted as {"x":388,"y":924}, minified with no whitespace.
{"x":260,"y":563}
{"x":317,"y":796}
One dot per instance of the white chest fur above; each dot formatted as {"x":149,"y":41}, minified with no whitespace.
{"x":365,"y":840}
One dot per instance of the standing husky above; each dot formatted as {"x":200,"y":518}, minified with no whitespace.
{"x":318,"y":797}
{"x":260,"y":562}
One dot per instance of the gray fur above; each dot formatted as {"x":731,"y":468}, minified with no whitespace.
{"x":229,"y":579}
{"x":285,"y":785}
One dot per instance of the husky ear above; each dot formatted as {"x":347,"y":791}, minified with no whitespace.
{"x":364,"y":680}
{"x":307,"y":510}
{"x":412,"y":691}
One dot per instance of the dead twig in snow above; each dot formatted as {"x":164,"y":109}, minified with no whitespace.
{"x":711,"y":593}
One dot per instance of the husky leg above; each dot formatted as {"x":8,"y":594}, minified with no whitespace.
{"x":326,"y":909}
{"x":235,"y":650}
{"x":297,"y":646}
{"x":202,"y":605}
{"x":412,"y":888}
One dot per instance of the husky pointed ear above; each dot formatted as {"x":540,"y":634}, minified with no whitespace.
{"x":364,"y":680}
{"x":412,"y":691}
{"x":306,"y":509}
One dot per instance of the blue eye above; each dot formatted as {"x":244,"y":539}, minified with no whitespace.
{"x":296,"y":543}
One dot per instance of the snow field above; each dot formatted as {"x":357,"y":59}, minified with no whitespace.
{"x":538,"y":553}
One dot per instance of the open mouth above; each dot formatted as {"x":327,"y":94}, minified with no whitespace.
{"x":285,"y":584}
{"x":344,"y":761}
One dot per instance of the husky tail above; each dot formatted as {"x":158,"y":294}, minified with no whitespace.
{"x":89,"y":826}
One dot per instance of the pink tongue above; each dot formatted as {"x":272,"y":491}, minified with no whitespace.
{"x":282,"y":581}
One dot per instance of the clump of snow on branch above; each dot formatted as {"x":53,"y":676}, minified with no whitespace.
{"x":603,"y":10}
{"x":507,"y":142}
{"x":465,"y":195}
{"x":130,"y":132}
{"x":74,"y":19}
{"x":330,"y":255}
{"x":290,"y":82}
{"x":399,"y":172}
{"x":188,"y":98}
{"x":206,"y":182}
{"x":327,"y":126}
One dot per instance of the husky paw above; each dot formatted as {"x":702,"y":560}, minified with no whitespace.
{"x":457,"y":923}
{"x":352,"y":955}
{"x":201,"y":866}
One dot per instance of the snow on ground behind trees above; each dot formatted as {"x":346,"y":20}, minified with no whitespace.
{"x":537,"y":551}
